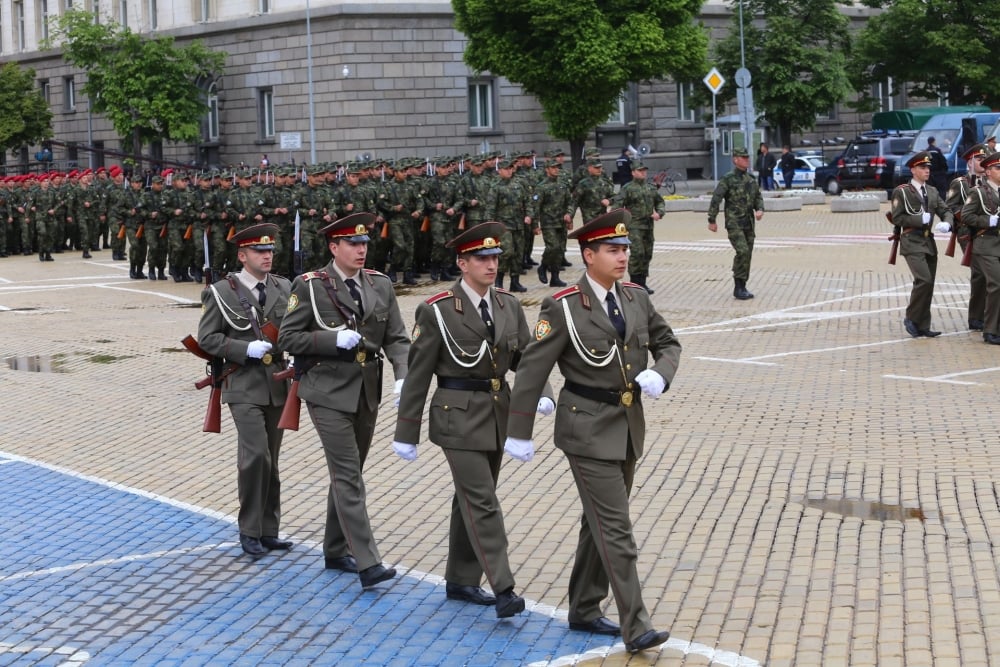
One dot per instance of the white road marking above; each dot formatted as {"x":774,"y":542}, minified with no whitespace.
{"x":716,"y":656}
{"x":74,"y":656}
{"x":947,"y":378}
{"x":169,"y":297}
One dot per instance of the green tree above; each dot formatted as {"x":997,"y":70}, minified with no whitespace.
{"x":577,"y":56}
{"x":25,"y":117}
{"x":147,"y":88}
{"x":938,"y":47}
{"x":796,"y":51}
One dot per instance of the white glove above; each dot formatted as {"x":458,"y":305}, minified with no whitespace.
{"x":397,"y":389}
{"x":348,"y":339}
{"x":545,"y":406}
{"x":405,"y":450}
{"x":925,"y":217}
{"x":942,"y":227}
{"x":522,"y":450}
{"x":652,"y":383}
{"x":993,"y":220}
{"x":258,"y":348}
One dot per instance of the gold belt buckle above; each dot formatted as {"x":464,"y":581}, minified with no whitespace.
{"x":361,"y":356}
{"x":266,"y":359}
{"x":495,"y":384}
{"x":627,"y":399}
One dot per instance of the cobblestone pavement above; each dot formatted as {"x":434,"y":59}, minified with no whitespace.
{"x":818,"y":487}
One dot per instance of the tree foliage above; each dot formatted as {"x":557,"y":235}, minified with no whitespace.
{"x":147,"y":88}
{"x":796,"y":53}
{"x":577,"y":56}
{"x":25,"y":117}
{"x":939,"y":47}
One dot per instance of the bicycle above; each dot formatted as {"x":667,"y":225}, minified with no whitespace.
{"x":668,"y":178}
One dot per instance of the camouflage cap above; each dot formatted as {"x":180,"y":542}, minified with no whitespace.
{"x":740,"y":152}
{"x":637,"y":165}
{"x":552,"y":163}
{"x":594,"y":162}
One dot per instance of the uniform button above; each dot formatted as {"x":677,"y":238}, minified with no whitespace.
{"x":628,"y":367}
{"x":625,"y":348}
{"x":495,"y":397}
{"x":446,"y":407}
{"x":593,"y":351}
{"x":573,"y":408}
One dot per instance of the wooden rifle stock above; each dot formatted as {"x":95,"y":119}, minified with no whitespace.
{"x":950,"y":250}
{"x":189,"y":232}
{"x":967,"y":255}
{"x":426,"y":224}
{"x":461,"y":222}
{"x":289,"y":419}
{"x":213,"y":414}
{"x":163,"y":231}
{"x":894,"y":238}
{"x":385,"y":230}
{"x":139,"y":232}
{"x":121,"y":231}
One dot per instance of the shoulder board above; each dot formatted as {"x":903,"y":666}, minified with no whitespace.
{"x":500,"y":290}
{"x":311,"y":275}
{"x":562,"y":294}
{"x":439,"y":296}
{"x":626,"y":283}
{"x":373,"y":272}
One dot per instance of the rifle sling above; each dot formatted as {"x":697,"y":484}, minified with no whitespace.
{"x":245,"y":302}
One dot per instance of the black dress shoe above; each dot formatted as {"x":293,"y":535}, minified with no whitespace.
{"x":252,"y":545}
{"x":376,"y":574}
{"x":601,"y":625}
{"x":473,"y":594}
{"x":342,"y":563}
{"x":272,"y":543}
{"x":509,"y":603}
{"x":992,"y":339}
{"x":976,"y":325}
{"x":911,"y":328}
{"x":646,"y":640}
{"x":927,"y":333}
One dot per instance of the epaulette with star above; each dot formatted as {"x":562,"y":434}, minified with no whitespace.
{"x":439,"y":297}
{"x":562,"y":294}
{"x":373,"y":272}
{"x":626,"y":283}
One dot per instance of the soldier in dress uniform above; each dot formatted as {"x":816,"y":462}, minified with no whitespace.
{"x":981,"y":214}
{"x":340,"y":321}
{"x":601,"y":333}
{"x":958,"y":193}
{"x":914,"y":206}
{"x":469,"y":337}
{"x":233,"y":311}
{"x":744,"y":207}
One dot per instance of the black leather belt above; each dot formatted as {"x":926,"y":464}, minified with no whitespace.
{"x":922,"y":231}
{"x":992,"y":231}
{"x":470,"y":384}
{"x":609,"y":396}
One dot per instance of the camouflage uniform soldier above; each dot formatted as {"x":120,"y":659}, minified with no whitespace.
{"x":46,"y":211}
{"x":440,"y":195}
{"x":400,"y":202}
{"x":555,"y":216}
{"x":68,"y":192}
{"x":180,"y":228}
{"x":510,"y":204}
{"x":87,"y":202}
{"x":314,"y":213}
{"x":744,"y":206}
{"x":590,"y":157}
{"x":284,"y":202}
{"x":115,"y":189}
{"x":209,"y":227}
{"x":593,"y":192}
{"x":643,"y":201}
{"x":154,"y":204}
{"x":474,"y":190}
{"x":7,"y":241}
{"x":135,"y":228}
{"x":25,"y":212}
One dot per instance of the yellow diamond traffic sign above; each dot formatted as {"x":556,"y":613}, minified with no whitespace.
{"x":714,"y":81}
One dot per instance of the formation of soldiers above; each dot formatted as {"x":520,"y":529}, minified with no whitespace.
{"x":177,"y":222}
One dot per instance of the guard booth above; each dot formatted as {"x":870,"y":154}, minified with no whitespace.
{"x":731,"y":136}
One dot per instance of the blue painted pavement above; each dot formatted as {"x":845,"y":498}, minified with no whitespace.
{"x":91,"y":574}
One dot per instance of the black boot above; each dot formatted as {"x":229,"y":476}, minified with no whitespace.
{"x":499,"y":281}
{"x":566,"y":264}
{"x":139,"y":275}
{"x":86,"y":254}
{"x":391,"y":273}
{"x":131,"y":271}
{"x":175,"y":273}
{"x":515,"y":284}
{"x":48,"y":256}
{"x":740,"y":290}
{"x":160,"y":275}
{"x":555,"y":282}
{"x":26,"y":252}
{"x":197,"y":274}
{"x":185,"y":276}
{"x":640,"y":279}
{"x":542,"y":276}
{"x":409,"y":278}
{"x":41,"y":256}
{"x":435,"y":272}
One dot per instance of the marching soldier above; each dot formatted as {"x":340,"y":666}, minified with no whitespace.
{"x":600,"y":332}
{"x":340,"y":321}
{"x":980,"y":214}
{"x":510,"y":203}
{"x":643,"y":201}
{"x":234,"y":309}
{"x":469,"y":337}
{"x":914,"y":206}
{"x":593,"y":191}
{"x":555,"y":216}
{"x":399,"y":201}
{"x":744,"y":207}
{"x":958,"y":193}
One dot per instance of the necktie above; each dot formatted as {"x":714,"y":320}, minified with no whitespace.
{"x":356,"y":295}
{"x":261,"y":294}
{"x":923,"y":193}
{"x":484,"y":310}
{"x":616,"y":316}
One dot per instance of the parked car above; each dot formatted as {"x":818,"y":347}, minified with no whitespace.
{"x":805,"y":170}
{"x":869,"y":160}
{"x":953,"y":134}
{"x":827,"y":177}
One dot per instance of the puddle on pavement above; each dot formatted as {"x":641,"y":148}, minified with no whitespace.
{"x":864,"y":509}
{"x":37,"y":363}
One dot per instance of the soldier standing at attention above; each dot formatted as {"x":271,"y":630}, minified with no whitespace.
{"x":914,"y":205}
{"x":593,"y":192}
{"x":600,"y":332}
{"x":234,"y":309}
{"x":469,"y":336}
{"x":155,"y":202}
{"x":744,"y":207}
{"x":958,"y":193}
{"x":643,"y":201}
{"x":339,"y":322}
{"x":555,"y":208}
{"x":981,"y":214}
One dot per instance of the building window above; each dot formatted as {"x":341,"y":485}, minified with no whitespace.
{"x":481,"y":101}
{"x":69,"y":93}
{"x":152,"y":14}
{"x":204,"y":10}
{"x":212,"y":118}
{"x":69,"y":4}
{"x":123,"y":12}
{"x":19,"y":25}
{"x":617,"y":116}
{"x":264,"y":6}
{"x":686,"y":110}
{"x":46,"y":90}
{"x":829,"y":114}
{"x":43,"y":18}
{"x":265,"y":112}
